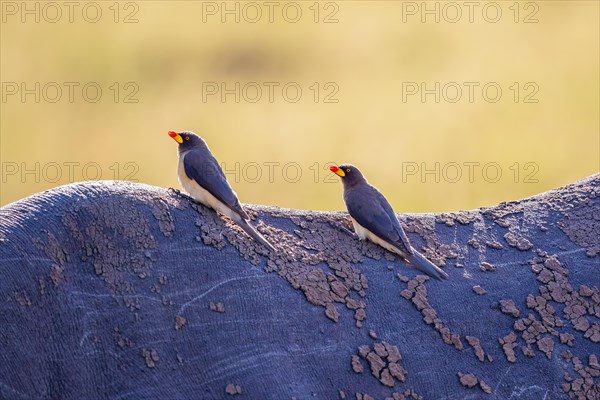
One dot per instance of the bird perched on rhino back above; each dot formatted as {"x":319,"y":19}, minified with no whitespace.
{"x":374,"y":219}
{"x":203,"y":179}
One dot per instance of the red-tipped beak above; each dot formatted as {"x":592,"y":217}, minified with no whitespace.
{"x":337,"y":171}
{"x":176,"y":136}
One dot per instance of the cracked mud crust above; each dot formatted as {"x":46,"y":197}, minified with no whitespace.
{"x":156,"y":288}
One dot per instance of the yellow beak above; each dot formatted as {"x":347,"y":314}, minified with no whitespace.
{"x":176,"y":136}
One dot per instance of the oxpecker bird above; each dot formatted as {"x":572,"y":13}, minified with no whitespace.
{"x":374,"y":219}
{"x":203,"y":179}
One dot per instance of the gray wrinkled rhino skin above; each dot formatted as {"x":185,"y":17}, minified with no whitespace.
{"x":114,"y":290}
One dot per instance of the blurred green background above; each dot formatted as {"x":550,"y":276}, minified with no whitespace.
{"x":159,"y":62}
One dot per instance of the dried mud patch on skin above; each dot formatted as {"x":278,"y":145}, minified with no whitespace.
{"x":363,"y":396}
{"x":122,"y":340}
{"x":217,"y":307}
{"x":151,"y":357}
{"x":582,"y":382}
{"x":517,"y":217}
{"x":161,"y":210}
{"x":543,"y":328}
{"x":494,"y":244}
{"x":487,"y":267}
{"x":299,"y":257}
{"x":115,"y":238}
{"x":301,"y":254}
{"x":217,"y":231}
{"x":519,"y":242}
{"x":232,"y":389}
{"x":479,"y":290}
{"x":434,"y":250}
{"x":470,"y":381}
{"x":317,"y":244}
{"x":416,"y":292}
{"x":504,"y":212}
{"x":56,"y":253}
{"x":23,"y":299}
{"x":509,"y":307}
{"x":476,"y":345}
{"x":180,"y":322}
{"x":483,"y":236}
{"x":356,"y":365}
{"x":384,"y":362}
{"x":462,"y":217}
{"x":577,"y":206}
{"x":508,"y":343}
{"x":511,"y":214}
{"x":555,"y":287}
{"x":582,"y":226}
{"x":408,"y":394}
{"x":342,"y":225}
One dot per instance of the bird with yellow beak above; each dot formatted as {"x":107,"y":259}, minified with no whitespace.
{"x":373,"y":218}
{"x":203,"y":179}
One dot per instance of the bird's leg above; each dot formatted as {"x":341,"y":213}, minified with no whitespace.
{"x":185,"y":196}
{"x":349,"y":232}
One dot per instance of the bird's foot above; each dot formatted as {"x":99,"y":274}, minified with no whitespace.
{"x":181,"y":194}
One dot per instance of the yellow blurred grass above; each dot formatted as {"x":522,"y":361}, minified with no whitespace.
{"x":170,"y":53}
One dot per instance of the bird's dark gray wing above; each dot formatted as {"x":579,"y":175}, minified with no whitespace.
{"x":372,"y":211}
{"x":206,"y":171}
{"x":390,"y":212}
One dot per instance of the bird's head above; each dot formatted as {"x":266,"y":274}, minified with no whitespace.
{"x":187,"y":140}
{"x":349,"y":173}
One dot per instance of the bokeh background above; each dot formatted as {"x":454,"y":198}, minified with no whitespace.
{"x":159,"y":62}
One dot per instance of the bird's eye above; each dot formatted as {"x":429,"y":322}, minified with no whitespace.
{"x":187,"y":138}
{"x":348,"y":170}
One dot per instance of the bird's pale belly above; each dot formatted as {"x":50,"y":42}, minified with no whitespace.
{"x":202,"y":195}
{"x":363,"y":233}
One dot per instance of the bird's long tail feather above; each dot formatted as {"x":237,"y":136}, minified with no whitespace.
{"x":419,"y":261}
{"x":254,"y":234}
